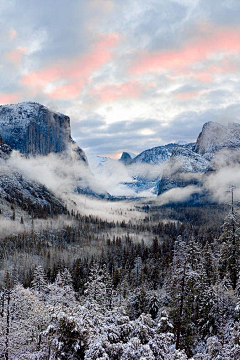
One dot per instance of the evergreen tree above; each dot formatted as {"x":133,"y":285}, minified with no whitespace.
{"x":39,"y":282}
{"x":230,"y":248}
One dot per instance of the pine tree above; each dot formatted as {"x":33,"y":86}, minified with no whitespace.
{"x":230,"y":247}
{"x":187,"y":283}
{"x":6,"y":315}
{"x":39,"y":282}
{"x":99,"y":287}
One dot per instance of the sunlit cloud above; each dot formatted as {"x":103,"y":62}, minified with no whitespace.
{"x":106,"y":62}
{"x":15,"y":56}
{"x":12,"y":33}
{"x":110,"y":93}
{"x":9,"y":98}
{"x":74,"y":73}
{"x":216,"y":41}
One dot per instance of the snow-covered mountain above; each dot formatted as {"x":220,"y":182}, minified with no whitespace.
{"x":97,"y":161}
{"x":155,"y":155}
{"x":180,"y":164}
{"x":187,"y":165}
{"x":18,"y":191}
{"x":34,"y":129}
{"x":29,"y":130}
{"x":215,"y":137}
{"x":183,"y":161}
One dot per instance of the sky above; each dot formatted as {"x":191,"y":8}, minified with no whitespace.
{"x":131,"y":74}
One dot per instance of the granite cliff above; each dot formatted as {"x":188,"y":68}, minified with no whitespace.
{"x":33,"y":129}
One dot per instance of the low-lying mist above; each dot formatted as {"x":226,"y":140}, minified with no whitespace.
{"x":62,"y":175}
{"x":223,"y":174}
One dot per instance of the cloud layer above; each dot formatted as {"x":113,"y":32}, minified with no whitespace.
{"x":131,"y":74}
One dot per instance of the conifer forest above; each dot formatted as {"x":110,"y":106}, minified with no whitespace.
{"x":165,"y":287}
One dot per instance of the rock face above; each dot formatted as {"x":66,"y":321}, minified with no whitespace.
{"x":5,"y":150}
{"x":215,"y":137}
{"x":126,"y":158}
{"x":188,"y":165}
{"x":33,"y":129}
{"x":29,"y":195}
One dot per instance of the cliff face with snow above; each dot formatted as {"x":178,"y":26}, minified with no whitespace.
{"x":183,"y":161}
{"x":5,"y":150}
{"x":199,"y":159}
{"x":21,"y":191}
{"x":215,"y":137}
{"x":185,"y":164}
{"x":33,"y":129}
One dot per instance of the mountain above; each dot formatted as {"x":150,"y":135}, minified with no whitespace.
{"x":183,"y":161}
{"x":190,"y":166}
{"x":215,"y":137}
{"x":34,"y":129}
{"x":146,"y":168}
{"x":18,"y":191}
{"x":126,"y":158}
{"x":162,"y":168}
{"x":155,"y":155}
{"x":5,"y":150}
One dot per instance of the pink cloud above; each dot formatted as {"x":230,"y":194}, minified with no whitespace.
{"x":114,"y":92}
{"x":16,"y":55}
{"x":207,"y":75}
{"x":70,"y":91}
{"x":114,"y":156}
{"x":187,"y":95}
{"x":75,"y":73}
{"x":8,"y":98}
{"x":203,"y":77}
{"x":12,"y":33}
{"x":218,"y":40}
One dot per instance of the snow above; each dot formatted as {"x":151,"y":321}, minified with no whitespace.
{"x":155,"y":155}
{"x":215,"y":136}
{"x":188,"y":160}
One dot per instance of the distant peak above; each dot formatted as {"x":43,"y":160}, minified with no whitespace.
{"x":126,"y":158}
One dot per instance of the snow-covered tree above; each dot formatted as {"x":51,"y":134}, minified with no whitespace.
{"x":61,"y":291}
{"x":99,"y":287}
{"x":39,"y":282}
{"x":230,"y":248}
{"x":187,"y":284}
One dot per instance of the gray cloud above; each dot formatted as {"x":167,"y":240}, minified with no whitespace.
{"x":57,"y":31}
{"x":125,"y":135}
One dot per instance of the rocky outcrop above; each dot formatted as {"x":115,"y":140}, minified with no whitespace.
{"x":215,"y":137}
{"x":125,"y":158}
{"x":189,"y":166}
{"x":29,"y":195}
{"x":5,"y":150}
{"x":33,"y":129}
